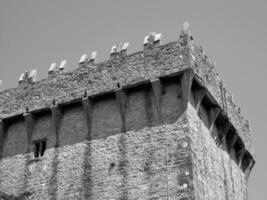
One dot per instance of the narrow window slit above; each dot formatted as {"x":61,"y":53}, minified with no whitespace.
{"x":39,"y":148}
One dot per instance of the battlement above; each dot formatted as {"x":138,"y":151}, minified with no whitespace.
{"x":122,"y":70}
{"x":168,"y":93}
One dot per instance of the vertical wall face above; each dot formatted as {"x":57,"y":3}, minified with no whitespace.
{"x":12,"y":174}
{"x":73,"y":126}
{"x":144,"y":164}
{"x":172,"y":100}
{"x":137,"y":148}
{"x":43,"y":129}
{"x":216,"y":175}
{"x":12,"y":167}
{"x":106,"y":118}
{"x":15,"y":139}
{"x":152,"y":163}
{"x":141,"y":109}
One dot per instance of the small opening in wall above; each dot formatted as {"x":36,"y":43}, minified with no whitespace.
{"x":179,"y":95}
{"x":39,"y":148}
{"x":239,"y":148}
{"x":118,"y":85}
{"x":36,"y":149}
{"x":111,"y":167}
{"x":245,"y":162}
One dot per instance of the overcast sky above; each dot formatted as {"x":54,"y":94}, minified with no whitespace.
{"x":36,"y":33}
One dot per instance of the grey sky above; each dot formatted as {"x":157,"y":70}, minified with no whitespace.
{"x":36,"y":33}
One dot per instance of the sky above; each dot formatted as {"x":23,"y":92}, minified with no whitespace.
{"x":36,"y":33}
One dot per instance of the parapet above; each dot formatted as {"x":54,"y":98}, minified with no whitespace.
{"x":121,"y":70}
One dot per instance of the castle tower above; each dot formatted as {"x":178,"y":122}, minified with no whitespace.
{"x":156,"y":124}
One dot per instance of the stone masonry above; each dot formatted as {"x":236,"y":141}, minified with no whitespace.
{"x":155,"y":124}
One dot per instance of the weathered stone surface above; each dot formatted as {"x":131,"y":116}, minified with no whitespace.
{"x":140,"y":66}
{"x":216,"y":175}
{"x":155,"y":124}
{"x":156,"y":165}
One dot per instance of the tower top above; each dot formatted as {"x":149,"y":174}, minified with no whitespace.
{"x":153,"y":62}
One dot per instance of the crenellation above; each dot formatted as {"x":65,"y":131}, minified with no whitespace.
{"x":93,"y":58}
{"x":124,"y":48}
{"x":28,"y":77}
{"x":188,"y":74}
{"x":153,"y":124}
{"x":52,"y":69}
{"x":83,"y":61}
{"x":62,"y":66}
{"x":151,"y":41}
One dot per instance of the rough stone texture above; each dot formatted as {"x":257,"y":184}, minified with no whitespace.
{"x":73,"y":127}
{"x":151,"y":163}
{"x":206,"y":70}
{"x":153,"y":62}
{"x":132,"y":135}
{"x":15,"y":139}
{"x":216,"y":175}
{"x":44,"y":129}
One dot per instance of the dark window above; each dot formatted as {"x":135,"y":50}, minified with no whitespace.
{"x":39,"y":148}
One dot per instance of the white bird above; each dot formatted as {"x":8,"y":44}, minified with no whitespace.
{"x":52,"y":67}
{"x":83,"y":58}
{"x":93,"y":55}
{"x":146,"y":39}
{"x":113,"y":49}
{"x":33,"y":75}
{"x":62,"y":64}
{"x":22,"y":76}
{"x":125,"y":46}
{"x":157,"y":36}
{"x":186,"y":26}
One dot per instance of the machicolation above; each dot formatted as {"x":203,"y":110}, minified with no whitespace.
{"x":155,"y":124}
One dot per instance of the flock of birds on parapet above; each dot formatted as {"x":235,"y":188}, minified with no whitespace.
{"x":84,"y":58}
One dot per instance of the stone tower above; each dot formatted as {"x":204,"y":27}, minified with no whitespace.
{"x":155,"y":124}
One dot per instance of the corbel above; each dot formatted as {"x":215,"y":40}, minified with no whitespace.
{"x":121,"y":99}
{"x":88,"y":109}
{"x":157,"y":91}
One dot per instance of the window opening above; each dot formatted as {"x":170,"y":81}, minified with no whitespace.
{"x":39,"y":148}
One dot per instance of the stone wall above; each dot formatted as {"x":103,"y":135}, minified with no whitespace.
{"x":73,"y":126}
{"x":111,"y":131}
{"x":216,"y":174}
{"x":211,"y":80}
{"x":152,"y":163}
{"x":15,"y":138}
{"x":123,"y":69}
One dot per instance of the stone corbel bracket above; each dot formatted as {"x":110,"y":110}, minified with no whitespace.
{"x":213,"y":116}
